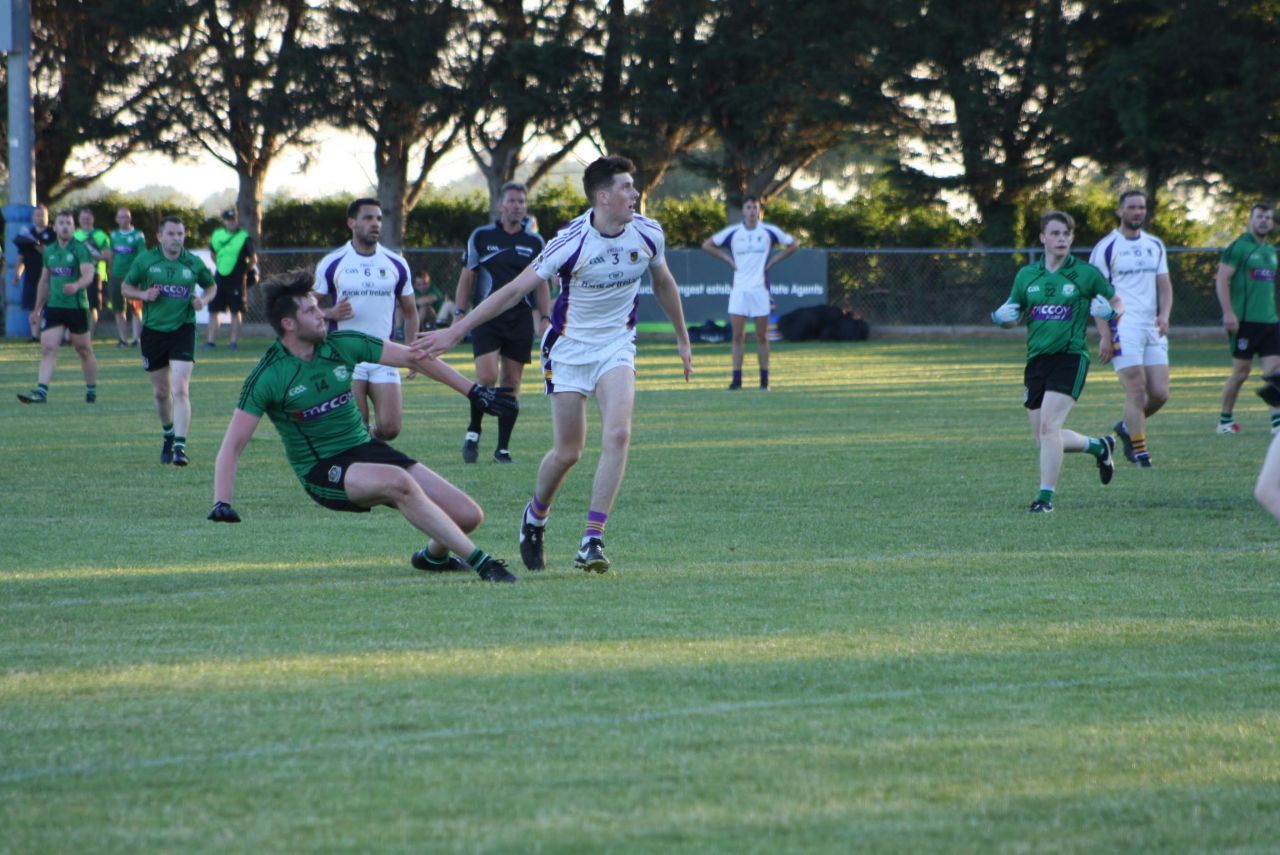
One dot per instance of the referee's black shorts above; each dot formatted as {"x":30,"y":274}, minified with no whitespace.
{"x":511,"y":334}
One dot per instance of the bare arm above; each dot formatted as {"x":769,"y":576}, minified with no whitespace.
{"x":239,"y":431}
{"x":1164,"y":296}
{"x":1106,"y":347}
{"x":409,"y":308}
{"x":668,"y":294}
{"x":542,"y":306}
{"x":786,"y":250}
{"x":462,"y":294}
{"x":440,"y":341}
{"x":134,"y":293}
{"x":1222,"y":287}
{"x":399,"y":356}
{"x":710,"y":246}
{"x":42,"y":298}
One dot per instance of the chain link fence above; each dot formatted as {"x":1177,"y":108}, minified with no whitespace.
{"x":887,"y":287}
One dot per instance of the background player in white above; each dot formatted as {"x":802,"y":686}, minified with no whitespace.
{"x":1136,"y":264}
{"x":365,"y":282}
{"x":598,"y":259}
{"x":750,"y":252}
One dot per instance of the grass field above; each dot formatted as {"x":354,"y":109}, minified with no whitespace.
{"x":831,"y":626}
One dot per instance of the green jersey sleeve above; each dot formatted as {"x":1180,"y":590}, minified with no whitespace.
{"x":255,"y":394}
{"x":1018,"y":294}
{"x":356,"y":347}
{"x":1234,"y":254}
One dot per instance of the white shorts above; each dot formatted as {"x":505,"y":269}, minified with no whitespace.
{"x":376,"y":372}
{"x":1140,"y":346}
{"x":571,"y":366}
{"x":749,"y":302}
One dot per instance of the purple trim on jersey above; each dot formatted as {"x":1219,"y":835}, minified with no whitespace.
{"x":635,"y":308}
{"x":1106,"y":257}
{"x":333,"y":286}
{"x":728,"y":239}
{"x":403,"y":281}
{"x":563,"y":236}
{"x":560,"y":310}
{"x":642,"y":223}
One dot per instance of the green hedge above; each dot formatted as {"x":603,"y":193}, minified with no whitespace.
{"x":884,"y":216}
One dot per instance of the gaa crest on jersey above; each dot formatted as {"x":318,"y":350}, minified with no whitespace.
{"x":297,"y":390}
{"x":335,"y":474}
{"x":1068,"y":290}
{"x":635,"y":256}
{"x":187,"y":274}
{"x":341,"y":372}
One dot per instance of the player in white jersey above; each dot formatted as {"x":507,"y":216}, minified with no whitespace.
{"x":749,"y":248}
{"x":1136,"y":263}
{"x":598,"y":259}
{"x":364,"y":282}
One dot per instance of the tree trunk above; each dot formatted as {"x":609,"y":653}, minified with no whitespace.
{"x":998,"y":223}
{"x":393,"y":167}
{"x":252,"y":176}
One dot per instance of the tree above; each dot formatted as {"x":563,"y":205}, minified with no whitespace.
{"x":528,"y":73}
{"x":1158,"y":98}
{"x":651,"y":87}
{"x":783,"y":84}
{"x":249,"y":82}
{"x":392,"y":82}
{"x":94,"y":78}
{"x":980,"y":82}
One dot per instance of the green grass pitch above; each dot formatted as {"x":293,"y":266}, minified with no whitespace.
{"x":831,"y":626}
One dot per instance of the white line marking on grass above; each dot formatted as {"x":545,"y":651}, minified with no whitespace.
{"x":726,"y":708}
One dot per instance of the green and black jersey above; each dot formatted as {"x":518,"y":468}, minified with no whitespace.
{"x":177,"y":279}
{"x":125,"y":249}
{"x":63,"y":261}
{"x":1253,"y":284}
{"x":1056,"y":305}
{"x":310,"y":402}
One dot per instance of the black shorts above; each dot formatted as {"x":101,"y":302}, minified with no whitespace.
{"x":326,"y":483}
{"x":75,"y":320}
{"x":95,"y":293}
{"x":511,"y":334}
{"x":1253,"y":339}
{"x":161,"y":348}
{"x":1054,"y":372}
{"x":230,"y":294}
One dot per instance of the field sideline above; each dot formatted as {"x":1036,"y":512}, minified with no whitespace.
{"x":832,"y":626}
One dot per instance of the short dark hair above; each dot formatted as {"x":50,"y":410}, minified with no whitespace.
{"x":1261,"y":205}
{"x":1126,"y":194}
{"x":84,"y":209}
{"x":599,"y":174}
{"x":65,"y":212}
{"x":746,"y":199}
{"x":1057,"y":217}
{"x":353,"y":210}
{"x":282,"y":292}
{"x":170,"y":218}
{"x":512,"y":185}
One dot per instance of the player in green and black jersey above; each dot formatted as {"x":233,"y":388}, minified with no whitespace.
{"x":127,"y":243}
{"x":165,"y":280}
{"x":303,"y":384}
{"x":62,"y":304}
{"x":1057,"y":295}
{"x":1246,"y":289}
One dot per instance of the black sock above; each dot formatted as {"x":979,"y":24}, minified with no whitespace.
{"x":506,"y":424}
{"x":477,"y":413}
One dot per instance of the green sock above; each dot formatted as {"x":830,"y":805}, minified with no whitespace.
{"x":1045,"y":496}
{"x":180,"y":442}
{"x":168,"y":431}
{"x":431,"y":559}
{"x":475,"y":559}
{"x":1096,"y":447}
{"x":1225,"y":419}
{"x":42,"y":388}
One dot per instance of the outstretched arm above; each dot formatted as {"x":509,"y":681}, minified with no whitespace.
{"x":439,"y":341}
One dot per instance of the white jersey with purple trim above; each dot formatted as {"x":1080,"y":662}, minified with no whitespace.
{"x":599,"y":277}
{"x":751,"y":249}
{"x":1132,"y":265}
{"x":371,"y":283}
